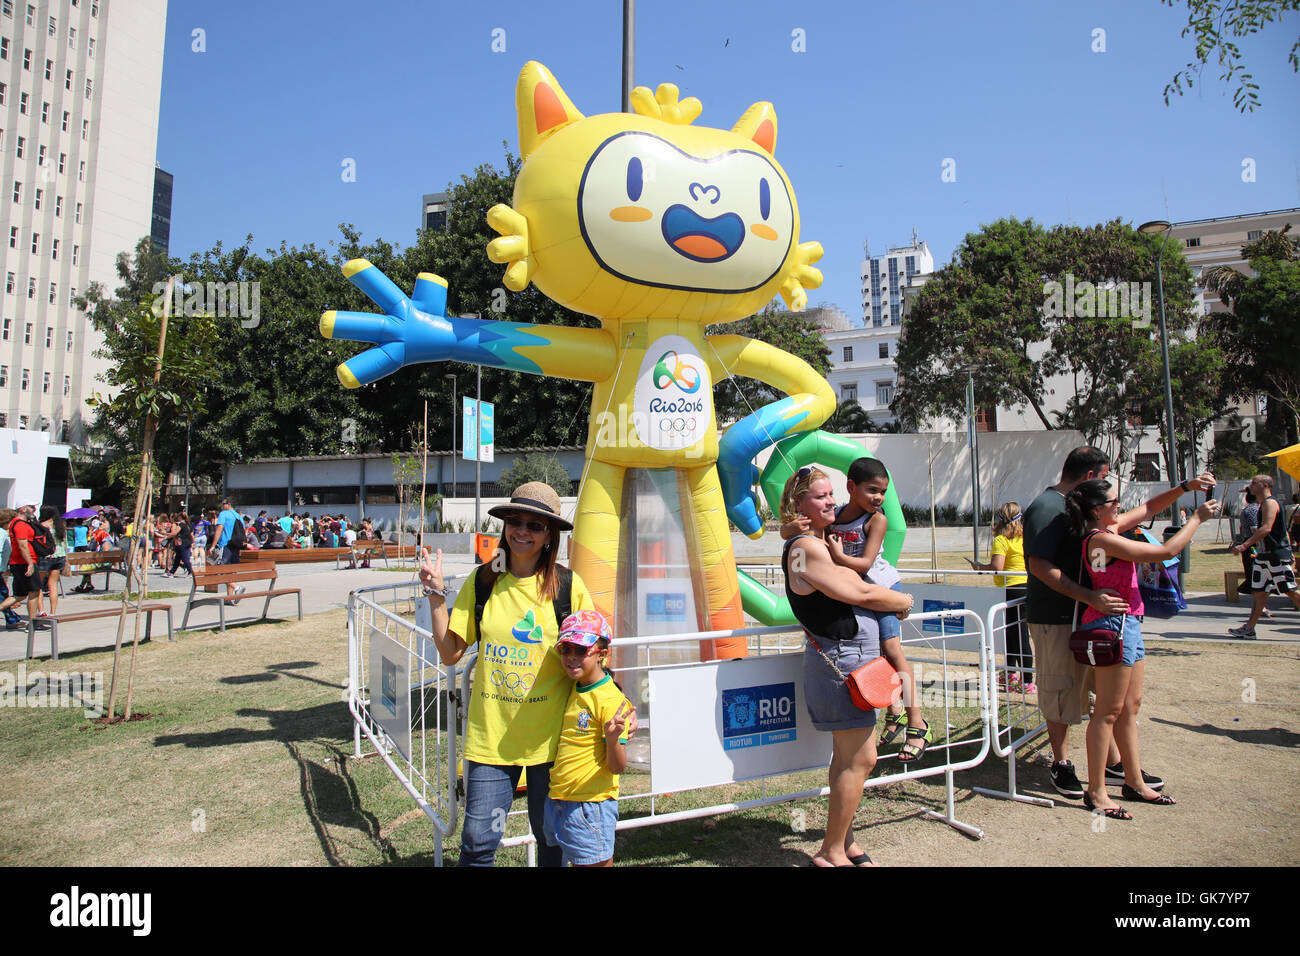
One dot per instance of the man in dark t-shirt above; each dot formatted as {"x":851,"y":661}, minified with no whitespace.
{"x":1053,"y":556}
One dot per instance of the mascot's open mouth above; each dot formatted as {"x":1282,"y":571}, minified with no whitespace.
{"x":704,"y":240}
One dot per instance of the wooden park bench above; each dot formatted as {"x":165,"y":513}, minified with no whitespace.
{"x":93,"y":562}
{"x":363,"y":551}
{"x":55,"y":620}
{"x":245,"y":573}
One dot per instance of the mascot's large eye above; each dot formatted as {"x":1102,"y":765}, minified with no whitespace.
{"x":764,"y":198}
{"x":634,"y":180}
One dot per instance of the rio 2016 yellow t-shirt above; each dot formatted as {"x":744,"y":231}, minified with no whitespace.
{"x":520,"y":689}
{"x":1014,"y":551}
{"x":580,"y":772}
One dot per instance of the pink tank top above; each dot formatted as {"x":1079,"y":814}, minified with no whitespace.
{"x":1119,"y":575}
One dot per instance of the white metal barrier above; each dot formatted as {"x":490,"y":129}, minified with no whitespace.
{"x":1023,"y":719}
{"x":423,"y":754}
{"x":414,"y":734}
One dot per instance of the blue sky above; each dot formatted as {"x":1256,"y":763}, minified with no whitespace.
{"x":257,"y":126}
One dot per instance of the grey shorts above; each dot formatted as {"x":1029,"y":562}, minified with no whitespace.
{"x":825,"y":693}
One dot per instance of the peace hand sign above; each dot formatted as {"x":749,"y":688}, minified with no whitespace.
{"x":615,"y":726}
{"x":431,"y":569}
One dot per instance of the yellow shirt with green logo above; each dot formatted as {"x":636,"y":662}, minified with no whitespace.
{"x":519,"y":689}
{"x":580,"y":772}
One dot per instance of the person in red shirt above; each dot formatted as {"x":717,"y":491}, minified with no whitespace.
{"x":28,"y":581}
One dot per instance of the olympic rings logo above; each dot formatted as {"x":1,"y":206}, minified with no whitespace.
{"x":678,"y":425}
{"x":671,"y":370}
{"x":513,"y":683}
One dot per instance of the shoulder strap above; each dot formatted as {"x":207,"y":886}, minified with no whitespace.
{"x":563,"y":595}
{"x":482,"y":591}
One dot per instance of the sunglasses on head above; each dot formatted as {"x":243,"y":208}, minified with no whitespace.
{"x":802,"y":473}
{"x":515,"y":521}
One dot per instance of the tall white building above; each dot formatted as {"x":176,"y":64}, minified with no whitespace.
{"x":80,"y":84}
{"x":862,"y":359}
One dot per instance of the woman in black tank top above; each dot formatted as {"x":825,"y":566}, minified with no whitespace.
{"x":832,"y":603}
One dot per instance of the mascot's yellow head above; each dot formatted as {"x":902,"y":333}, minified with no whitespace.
{"x":641,"y":215}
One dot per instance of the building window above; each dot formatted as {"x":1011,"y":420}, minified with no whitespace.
{"x":54,"y":249}
{"x":27,"y":60}
{"x":40,"y":155}
{"x":986,"y":419}
{"x":90,"y":91}
{"x":22,"y":103}
{"x":45,"y":113}
{"x":90,"y":48}
{"x":18,"y":191}
{"x":3,"y":90}
{"x":31,"y":287}
{"x":22,"y":146}
{"x":4,"y":420}
{"x":67,"y":82}
{"x":77,"y":216}
{"x":1254,"y":234}
{"x":848,"y":353}
{"x":81,"y":171}
{"x":27,"y":381}
{"x":36,"y":242}
{"x":58,"y":205}
{"x":85,"y":126}
{"x":1192,"y":242}
{"x":884,"y":393}
{"x":9,"y":288}
{"x":67,"y":385}
{"x":27,"y":334}
{"x":49,"y":69}
{"x":63,"y":160}
{"x":66,"y":117}
{"x":69,"y":340}
{"x":4,"y":375}
{"x":94,"y":9}
{"x":45,"y":383}
{"x":4,"y":48}
{"x":884,"y":350}
{"x":13,"y":237}
{"x":72,"y":38}
{"x":76,"y":251}
{"x":31,"y":15}
{"x":39,"y":193}
{"x":7,"y":330}
{"x":54,"y":292}
{"x":9,"y":8}
{"x":22,"y":421}
{"x":54,"y":26}
{"x":49,"y":336}
{"x":1146,"y":467}
{"x":849,"y":393}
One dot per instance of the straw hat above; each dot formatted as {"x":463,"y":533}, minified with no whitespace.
{"x":534,"y":497}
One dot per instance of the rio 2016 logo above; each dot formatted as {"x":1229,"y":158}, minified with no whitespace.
{"x":671,"y":370}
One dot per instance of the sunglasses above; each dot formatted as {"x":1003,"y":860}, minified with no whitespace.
{"x":514,"y":521}
{"x":802,"y":473}
{"x":1111,"y":501}
{"x":576,"y":650}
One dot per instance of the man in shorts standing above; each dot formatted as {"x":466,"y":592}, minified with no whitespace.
{"x":1053,"y":555}
{"x":1271,"y":572}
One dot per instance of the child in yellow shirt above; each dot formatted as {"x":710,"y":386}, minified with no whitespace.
{"x":582,"y":810}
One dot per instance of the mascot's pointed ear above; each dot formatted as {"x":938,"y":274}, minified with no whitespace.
{"x":759,"y":124}
{"x":542,"y":105}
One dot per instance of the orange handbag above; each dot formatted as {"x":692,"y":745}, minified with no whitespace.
{"x":870,"y":686}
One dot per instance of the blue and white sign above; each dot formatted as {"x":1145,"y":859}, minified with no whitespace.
{"x":468,"y":429}
{"x":665,"y":607}
{"x":724,"y":721}
{"x":949,"y":624}
{"x":478,"y":418}
{"x":390,"y":690}
{"x":758,"y":716}
{"x":486,"y":416}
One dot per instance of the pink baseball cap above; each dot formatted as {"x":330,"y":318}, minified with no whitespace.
{"x":584,"y":628}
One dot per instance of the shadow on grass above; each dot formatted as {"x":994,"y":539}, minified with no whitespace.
{"x":275,"y":671}
{"x":1275,"y":736}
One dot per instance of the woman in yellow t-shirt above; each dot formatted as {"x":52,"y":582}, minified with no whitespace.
{"x":520,"y":689}
{"x":1008,"y":559}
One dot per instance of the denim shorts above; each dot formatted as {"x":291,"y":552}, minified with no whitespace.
{"x":1134,"y":649}
{"x":829,"y":705}
{"x":584,"y":831}
{"x":890,"y":625}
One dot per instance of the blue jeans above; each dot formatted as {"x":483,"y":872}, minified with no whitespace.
{"x":489,"y":791}
{"x":890,"y":625}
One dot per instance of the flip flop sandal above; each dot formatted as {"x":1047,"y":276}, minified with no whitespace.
{"x":1114,"y":813}
{"x":895,"y":724}
{"x":860,"y":860}
{"x":911,"y":752}
{"x":1160,"y":799}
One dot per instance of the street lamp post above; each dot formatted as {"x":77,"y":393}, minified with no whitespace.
{"x":1161,"y":228}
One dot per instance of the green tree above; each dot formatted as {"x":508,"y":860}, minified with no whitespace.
{"x":794,"y":332}
{"x":1020,"y":305}
{"x":537,"y":466}
{"x":850,"y":418}
{"x":1216,"y":24}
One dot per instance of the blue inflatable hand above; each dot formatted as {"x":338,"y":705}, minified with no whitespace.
{"x":414,"y":329}
{"x":736,"y":451}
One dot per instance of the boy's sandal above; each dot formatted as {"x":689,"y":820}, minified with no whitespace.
{"x":895,"y":724}
{"x":911,"y":752}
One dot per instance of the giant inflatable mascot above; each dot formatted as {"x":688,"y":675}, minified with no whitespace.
{"x":657,"y":228}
